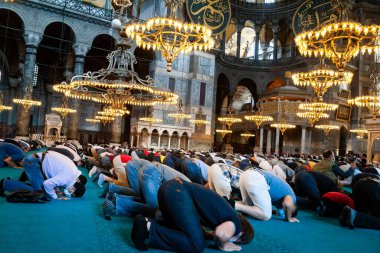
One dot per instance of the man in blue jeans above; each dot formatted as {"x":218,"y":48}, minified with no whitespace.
{"x":55,"y":171}
{"x":186,"y":207}
{"x":150,"y":178}
{"x":10,"y":154}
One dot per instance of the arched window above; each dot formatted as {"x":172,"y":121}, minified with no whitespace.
{"x":247,"y":43}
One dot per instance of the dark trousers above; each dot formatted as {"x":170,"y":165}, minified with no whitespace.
{"x":184,"y":233}
{"x":192,"y":171}
{"x":306,"y":189}
{"x":332,"y":209}
{"x":363,"y":220}
{"x":366,"y":195}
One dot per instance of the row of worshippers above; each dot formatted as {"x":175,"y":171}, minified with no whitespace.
{"x":254,"y":185}
{"x":53,"y":171}
{"x":156,"y":187}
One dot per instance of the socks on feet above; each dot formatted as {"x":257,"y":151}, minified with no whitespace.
{"x":140,"y":232}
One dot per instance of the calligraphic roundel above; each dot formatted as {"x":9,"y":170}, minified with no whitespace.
{"x":215,"y":14}
{"x":312,"y":14}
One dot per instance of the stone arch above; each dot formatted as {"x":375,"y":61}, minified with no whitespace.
{"x":55,"y":54}
{"x":19,"y":12}
{"x":251,"y":86}
{"x":184,"y":141}
{"x":154,"y":139}
{"x":223,"y":88}
{"x":242,"y":100}
{"x":165,"y":139}
{"x":175,"y":140}
{"x":96,"y":57}
{"x":144,"y":136}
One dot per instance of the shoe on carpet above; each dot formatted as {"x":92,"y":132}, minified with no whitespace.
{"x":347,"y":217}
{"x":109,"y":206}
{"x":140,"y":232}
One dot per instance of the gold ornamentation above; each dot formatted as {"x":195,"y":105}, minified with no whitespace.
{"x":64,"y":109}
{"x":322,"y":78}
{"x":327,"y":128}
{"x":312,"y":116}
{"x":199,"y":121}
{"x":223,"y":132}
{"x":229,"y":119}
{"x":27,"y":102}
{"x":340,"y":41}
{"x":170,"y":35}
{"x":2,"y":106}
{"x":180,"y":114}
{"x":283,"y":126}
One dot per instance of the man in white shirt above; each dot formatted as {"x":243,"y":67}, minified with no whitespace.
{"x":55,"y":171}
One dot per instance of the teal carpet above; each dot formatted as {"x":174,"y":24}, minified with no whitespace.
{"x":77,"y":225}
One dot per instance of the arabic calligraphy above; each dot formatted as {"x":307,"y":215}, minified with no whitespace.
{"x":215,"y":14}
{"x":313,"y":13}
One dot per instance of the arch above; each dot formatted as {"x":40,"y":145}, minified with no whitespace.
{"x":19,"y":15}
{"x":55,"y":54}
{"x":184,"y":143}
{"x":143,"y":140}
{"x":11,"y":43}
{"x":251,"y":86}
{"x":165,"y":139}
{"x":96,"y":57}
{"x":154,"y":139}
{"x":223,"y":87}
{"x":175,"y":140}
{"x":242,"y":100}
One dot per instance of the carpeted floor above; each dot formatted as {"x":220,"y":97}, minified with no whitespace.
{"x":77,"y":225}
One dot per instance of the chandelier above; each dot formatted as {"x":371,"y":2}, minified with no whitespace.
{"x":372,"y":101}
{"x":199,"y":121}
{"x":359,"y":131}
{"x":258,"y":119}
{"x":92,"y":121}
{"x":283,"y":126}
{"x":247,"y":135}
{"x":321,"y":78}
{"x":180,"y":114}
{"x":27,"y":102}
{"x":327,"y":128}
{"x":170,"y":35}
{"x":109,"y":111}
{"x":64,"y":109}
{"x":3,"y":107}
{"x":339,"y":41}
{"x":150,"y":117}
{"x":118,"y":84}
{"x":223,"y":132}
{"x":319,"y":107}
{"x":312,"y":116}
{"x":105,"y":119}
{"x":229,"y":119}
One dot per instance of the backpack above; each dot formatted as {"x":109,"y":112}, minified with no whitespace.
{"x":25,"y":196}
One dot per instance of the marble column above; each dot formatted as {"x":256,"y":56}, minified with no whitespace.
{"x":308,"y":148}
{"x":116,"y":130}
{"x":269,"y":141}
{"x":188,"y":143}
{"x":159,"y":141}
{"x":132,"y":139}
{"x":138,"y":140}
{"x":303,"y":140}
{"x":74,"y":120}
{"x":257,"y":41}
{"x":277,"y":147}
{"x":169,"y":141}
{"x":239,"y":28}
{"x":261,"y":140}
{"x":32,"y":40}
{"x":275,"y":29}
{"x":179,"y":142}
{"x":10,"y":114}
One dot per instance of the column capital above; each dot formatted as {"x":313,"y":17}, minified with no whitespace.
{"x":32,"y":40}
{"x":239,"y":26}
{"x":81,"y":49}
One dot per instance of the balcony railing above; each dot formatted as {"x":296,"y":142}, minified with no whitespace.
{"x":77,"y":6}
